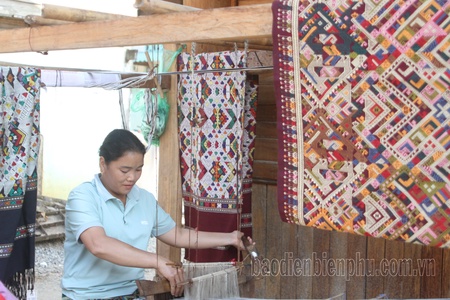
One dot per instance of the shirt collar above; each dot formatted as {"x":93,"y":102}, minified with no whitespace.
{"x":105,"y":195}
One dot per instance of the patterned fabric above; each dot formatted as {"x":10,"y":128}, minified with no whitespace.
{"x":19,"y":141}
{"x":363,"y":100}
{"x":216,"y":125}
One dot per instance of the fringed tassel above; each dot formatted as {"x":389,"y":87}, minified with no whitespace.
{"x":20,"y":283}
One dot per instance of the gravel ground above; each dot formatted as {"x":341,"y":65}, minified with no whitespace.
{"x":49,"y":268}
{"x":48,"y":271}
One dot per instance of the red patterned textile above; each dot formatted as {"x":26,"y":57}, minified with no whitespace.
{"x":216,"y":127}
{"x":363,"y":99}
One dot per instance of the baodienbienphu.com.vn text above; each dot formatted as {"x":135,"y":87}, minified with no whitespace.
{"x":320,"y":264}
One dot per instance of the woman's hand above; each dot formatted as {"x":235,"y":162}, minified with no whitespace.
{"x":173,"y":273}
{"x":237,"y":239}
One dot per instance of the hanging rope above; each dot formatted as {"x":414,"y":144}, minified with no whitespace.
{"x":130,"y":82}
{"x":125,"y":123}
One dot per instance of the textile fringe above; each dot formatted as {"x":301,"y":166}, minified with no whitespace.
{"x":20,"y":283}
{"x":211,"y":281}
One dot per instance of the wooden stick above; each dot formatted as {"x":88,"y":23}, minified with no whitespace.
{"x":175,"y":265}
{"x":151,"y":7}
{"x":50,"y":11}
{"x":150,"y":287}
{"x":207,"y":4}
{"x":39,"y":21}
{"x":151,"y":66}
{"x":263,"y":44}
{"x":10,"y":23}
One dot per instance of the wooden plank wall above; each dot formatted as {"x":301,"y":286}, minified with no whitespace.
{"x":314,"y":249}
{"x":265,"y":164}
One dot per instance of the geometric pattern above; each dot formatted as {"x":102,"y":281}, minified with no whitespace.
{"x":363,"y":108}
{"x":19,"y":145}
{"x":215,"y":157}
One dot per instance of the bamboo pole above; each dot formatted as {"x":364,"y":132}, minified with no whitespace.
{"x":151,"y":7}
{"x":209,"y":4}
{"x":220,"y":24}
{"x":40,"y":21}
{"x":11,"y":23}
{"x":50,"y":11}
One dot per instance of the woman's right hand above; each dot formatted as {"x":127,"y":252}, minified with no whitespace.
{"x":174,"y":273}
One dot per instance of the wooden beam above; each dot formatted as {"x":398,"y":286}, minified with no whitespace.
{"x":11,"y":23}
{"x":76,"y":15}
{"x":160,"y":7}
{"x":40,"y":21}
{"x":208,"y":4}
{"x":232,"y":24}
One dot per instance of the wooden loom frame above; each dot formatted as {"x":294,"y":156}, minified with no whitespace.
{"x":160,"y":288}
{"x":232,"y":24}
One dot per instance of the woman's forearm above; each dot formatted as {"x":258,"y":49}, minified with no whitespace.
{"x":115,"y":251}
{"x":192,"y":239}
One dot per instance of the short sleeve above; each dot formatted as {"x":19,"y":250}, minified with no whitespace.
{"x":82,"y":211}
{"x":163,"y":222}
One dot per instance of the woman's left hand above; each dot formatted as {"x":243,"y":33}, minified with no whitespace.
{"x":237,"y":238}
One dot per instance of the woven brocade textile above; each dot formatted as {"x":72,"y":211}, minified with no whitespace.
{"x":363,"y":110}
{"x":19,"y":141}
{"x":217,"y":130}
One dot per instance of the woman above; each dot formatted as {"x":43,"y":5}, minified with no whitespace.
{"x":109,"y":222}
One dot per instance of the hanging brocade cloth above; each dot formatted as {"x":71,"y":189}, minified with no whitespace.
{"x":217,"y":117}
{"x":19,"y":141}
{"x":363,"y":104}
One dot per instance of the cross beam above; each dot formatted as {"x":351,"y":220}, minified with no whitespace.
{"x":220,"y":24}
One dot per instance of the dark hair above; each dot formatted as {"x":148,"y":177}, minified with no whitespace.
{"x":119,"y":141}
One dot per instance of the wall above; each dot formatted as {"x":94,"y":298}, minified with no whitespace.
{"x":317,"y":253}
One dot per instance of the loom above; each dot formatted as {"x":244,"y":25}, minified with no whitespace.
{"x":218,"y":280}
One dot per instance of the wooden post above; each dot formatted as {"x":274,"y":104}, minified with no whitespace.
{"x":169,"y":177}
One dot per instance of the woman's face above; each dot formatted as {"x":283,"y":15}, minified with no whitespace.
{"x":121,"y":175}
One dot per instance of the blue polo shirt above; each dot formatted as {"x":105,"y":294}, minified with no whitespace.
{"x":90,"y":204}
